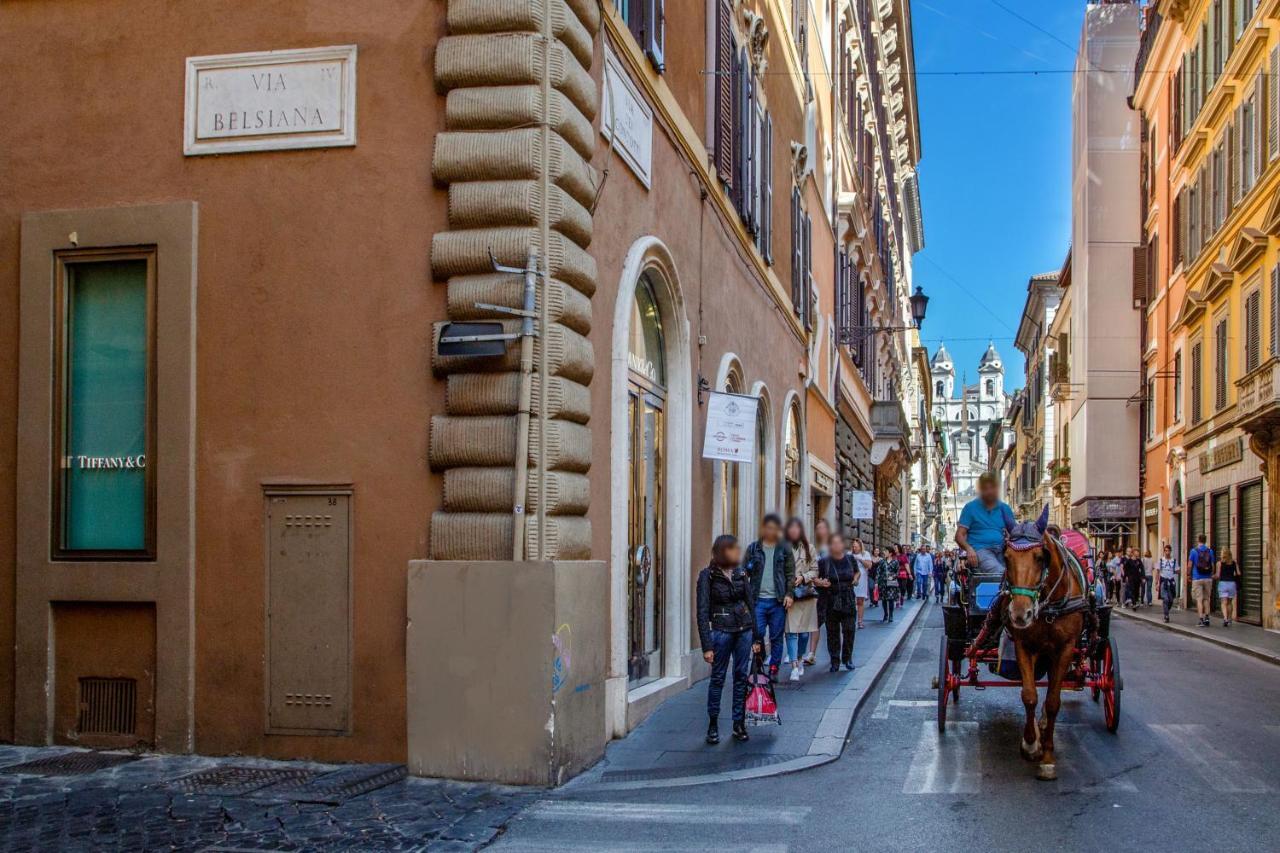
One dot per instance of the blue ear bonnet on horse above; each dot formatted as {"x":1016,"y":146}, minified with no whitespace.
{"x":1025,"y":536}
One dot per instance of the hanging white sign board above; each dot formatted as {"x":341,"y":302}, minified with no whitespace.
{"x":731,"y":428}
{"x":863,"y":505}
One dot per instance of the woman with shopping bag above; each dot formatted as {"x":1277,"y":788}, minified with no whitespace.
{"x":727,"y":631}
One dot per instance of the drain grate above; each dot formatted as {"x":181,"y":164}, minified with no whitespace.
{"x":236,"y":779}
{"x":70,"y":763}
{"x":337,"y":786}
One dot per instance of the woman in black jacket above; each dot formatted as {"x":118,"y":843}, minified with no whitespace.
{"x":838,"y":576}
{"x":727,"y":630}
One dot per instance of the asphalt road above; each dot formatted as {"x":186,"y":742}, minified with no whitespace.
{"x":1195,"y":766}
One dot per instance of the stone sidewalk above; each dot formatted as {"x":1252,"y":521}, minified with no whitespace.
{"x":85,"y":800}
{"x":668,"y":749}
{"x":1241,"y":636}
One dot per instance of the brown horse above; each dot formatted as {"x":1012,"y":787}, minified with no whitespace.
{"x":1045,"y":618}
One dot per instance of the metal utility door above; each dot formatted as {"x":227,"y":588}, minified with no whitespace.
{"x":1249,"y":553}
{"x":308,"y":611}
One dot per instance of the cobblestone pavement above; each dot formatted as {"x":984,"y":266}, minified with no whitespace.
{"x":140,"y":804}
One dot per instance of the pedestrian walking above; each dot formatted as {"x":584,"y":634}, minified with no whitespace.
{"x":922,"y":564}
{"x":939,"y":576}
{"x":727,"y":629}
{"x":1148,"y":576}
{"x":1168,"y":568}
{"x":1132,"y":568}
{"x":1228,"y":577}
{"x":1115,"y":575}
{"x":821,"y":535}
{"x":887,"y":582}
{"x":802,"y":615}
{"x":861,"y":589}
{"x":837,"y":578}
{"x":771,"y":566}
{"x":906,"y":584}
{"x":1202,"y":562}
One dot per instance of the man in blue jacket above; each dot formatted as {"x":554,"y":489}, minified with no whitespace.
{"x":771,"y":566}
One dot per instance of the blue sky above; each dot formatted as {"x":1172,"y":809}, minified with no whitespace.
{"x":995,"y":179}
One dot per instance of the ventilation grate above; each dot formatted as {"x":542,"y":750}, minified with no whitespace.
{"x":108,"y":706}
{"x":70,"y":763}
{"x":235,"y":779}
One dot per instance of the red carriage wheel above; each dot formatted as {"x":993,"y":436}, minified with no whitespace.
{"x":943,"y":686}
{"x":1110,"y":685}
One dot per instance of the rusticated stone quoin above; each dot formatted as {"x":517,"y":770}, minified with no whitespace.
{"x":515,"y":157}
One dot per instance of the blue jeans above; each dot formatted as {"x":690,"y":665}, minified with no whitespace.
{"x":797,"y":645}
{"x":771,"y":620}
{"x":990,"y":561}
{"x":728,"y":645}
{"x":922,"y":587}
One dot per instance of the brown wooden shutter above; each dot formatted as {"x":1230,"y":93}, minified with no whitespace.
{"x":806,"y":279}
{"x":1140,"y":284}
{"x":1253,"y":331}
{"x":796,"y":236}
{"x":1197,"y":382}
{"x":751,"y":135}
{"x":638,"y":21}
{"x":766,"y":192}
{"x":738,"y":184}
{"x":1154,"y":282}
{"x":1275,"y":310}
{"x":1233,"y":159}
{"x":722,"y":153}
{"x":1178,"y":228}
{"x":1220,"y":365}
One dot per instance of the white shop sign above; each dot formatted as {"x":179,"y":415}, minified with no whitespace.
{"x":625,"y":119}
{"x":863,"y":505}
{"x":270,"y":100}
{"x":731,"y":428}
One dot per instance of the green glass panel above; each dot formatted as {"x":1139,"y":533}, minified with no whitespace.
{"x":104,"y":475}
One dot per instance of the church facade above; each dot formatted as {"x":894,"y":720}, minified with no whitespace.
{"x":963,"y":413}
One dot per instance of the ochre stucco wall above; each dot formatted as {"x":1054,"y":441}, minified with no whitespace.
{"x":313,"y":311}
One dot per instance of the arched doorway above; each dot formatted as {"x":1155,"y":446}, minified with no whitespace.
{"x":650,"y":653}
{"x":646,"y":433}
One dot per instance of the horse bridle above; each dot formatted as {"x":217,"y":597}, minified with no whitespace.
{"x":1038,"y":595}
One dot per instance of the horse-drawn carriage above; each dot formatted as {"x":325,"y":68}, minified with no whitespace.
{"x":1050,"y":634}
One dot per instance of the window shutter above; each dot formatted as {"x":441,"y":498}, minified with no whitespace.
{"x":1178,"y":229}
{"x":1140,"y":275}
{"x":1252,"y":331}
{"x":1259,"y":142}
{"x":656,"y":35}
{"x":1197,"y":382}
{"x":766,"y":192}
{"x":1220,"y":366}
{"x":737,"y":75}
{"x":806,"y":257}
{"x":1273,"y":103}
{"x":1233,"y":158}
{"x":1206,"y":211}
{"x":751,"y":186}
{"x":723,"y":153}
{"x":1275,"y":310}
{"x":1237,"y":22}
{"x":638,"y":21}
{"x":796,"y":236}
{"x":1154,"y":284}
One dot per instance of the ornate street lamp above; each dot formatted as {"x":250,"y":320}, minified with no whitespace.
{"x":853,"y":335}
{"x":919,"y":304}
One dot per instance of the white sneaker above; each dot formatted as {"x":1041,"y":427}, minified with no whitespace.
{"x":795,"y":673}
{"x":802,"y":668}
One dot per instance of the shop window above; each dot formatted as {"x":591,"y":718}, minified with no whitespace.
{"x":104,"y":495}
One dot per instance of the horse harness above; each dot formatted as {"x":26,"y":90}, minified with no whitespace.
{"x":1027,"y":537}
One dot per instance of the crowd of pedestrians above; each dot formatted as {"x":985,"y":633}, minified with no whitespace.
{"x":1132,"y":578}
{"x":772,"y":598}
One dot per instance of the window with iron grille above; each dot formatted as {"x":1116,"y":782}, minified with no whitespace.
{"x":1220,"y":365}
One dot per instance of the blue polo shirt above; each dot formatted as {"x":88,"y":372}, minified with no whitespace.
{"x":986,"y":526}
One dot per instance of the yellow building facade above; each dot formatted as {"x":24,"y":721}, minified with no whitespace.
{"x":1223,"y":174}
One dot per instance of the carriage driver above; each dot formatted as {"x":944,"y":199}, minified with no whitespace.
{"x":984,"y":523}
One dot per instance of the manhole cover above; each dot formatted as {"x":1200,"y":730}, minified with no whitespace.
{"x":339,"y":785}
{"x":70,"y":763}
{"x":235,"y":779}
